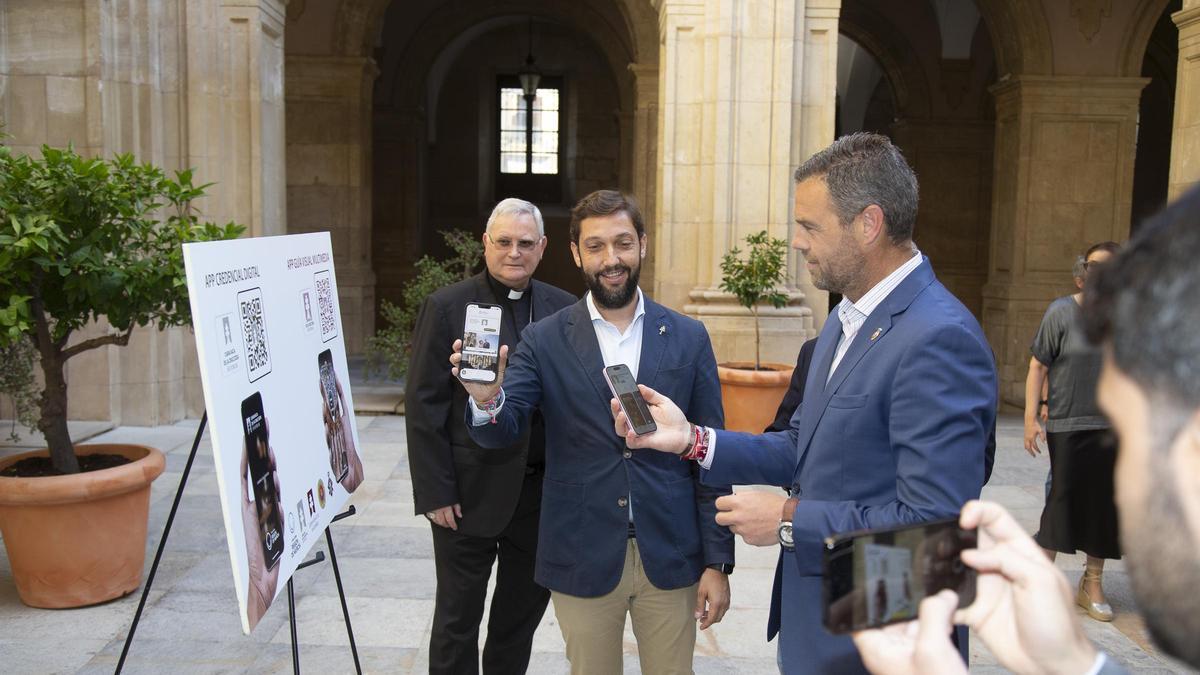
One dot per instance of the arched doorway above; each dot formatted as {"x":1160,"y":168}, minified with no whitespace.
{"x":1152,"y":162}
{"x":393,"y":129}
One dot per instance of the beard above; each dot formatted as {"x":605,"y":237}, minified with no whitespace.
{"x":842,"y":269}
{"x":1164,"y":575}
{"x":618,"y":297}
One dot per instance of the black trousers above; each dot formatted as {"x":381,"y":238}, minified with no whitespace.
{"x":463,"y":564}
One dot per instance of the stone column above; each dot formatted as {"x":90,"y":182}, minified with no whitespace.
{"x":733,"y":74}
{"x":813,"y":118}
{"x":644,"y":126}
{"x":1063,"y":180}
{"x":1185,"y":139}
{"x":234,"y":110}
{"x":329,"y":174}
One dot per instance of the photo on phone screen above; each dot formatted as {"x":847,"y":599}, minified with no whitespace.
{"x":877,"y":577}
{"x":481,"y":343}
{"x":624,"y":388}
{"x":262,"y":479}
{"x":333,"y":403}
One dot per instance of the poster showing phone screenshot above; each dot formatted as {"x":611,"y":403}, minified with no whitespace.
{"x":481,"y":344}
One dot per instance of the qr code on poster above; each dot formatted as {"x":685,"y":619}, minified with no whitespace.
{"x":326,"y":315}
{"x":254,"y":333}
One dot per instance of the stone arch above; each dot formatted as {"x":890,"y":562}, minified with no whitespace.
{"x":447,"y":24}
{"x":907,"y":79}
{"x":1021,"y":36}
{"x":358,"y":23}
{"x":1137,"y":36}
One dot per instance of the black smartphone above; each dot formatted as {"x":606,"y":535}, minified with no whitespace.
{"x":262,"y":479}
{"x":481,"y":343}
{"x":333,"y":403}
{"x":624,"y":388}
{"x":874,"y":578}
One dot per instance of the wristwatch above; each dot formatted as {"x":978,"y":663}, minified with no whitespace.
{"x":785,"y":534}
{"x":785,"y":522}
{"x":723,"y":568}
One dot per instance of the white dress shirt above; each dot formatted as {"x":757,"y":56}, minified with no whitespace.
{"x":852,"y":316}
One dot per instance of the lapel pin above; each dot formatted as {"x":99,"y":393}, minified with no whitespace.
{"x":662,"y":330}
{"x":876,"y":334}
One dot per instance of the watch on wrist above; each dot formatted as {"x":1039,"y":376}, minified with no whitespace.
{"x":723,"y":568}
{"x":785,"y":535}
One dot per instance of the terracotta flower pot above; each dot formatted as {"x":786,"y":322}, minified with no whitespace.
{"x":751,"y":397}
{"x":80,"y":539}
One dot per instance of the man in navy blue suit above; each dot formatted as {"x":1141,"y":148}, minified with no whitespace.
{"x":622,"y":532}
{"x":900,"y":398}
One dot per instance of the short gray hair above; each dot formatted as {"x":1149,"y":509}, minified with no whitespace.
{"x":514,"y":207}
{"x":863,"y":169}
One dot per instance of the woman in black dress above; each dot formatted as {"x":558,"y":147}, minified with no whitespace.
{"x":1080,"y":512}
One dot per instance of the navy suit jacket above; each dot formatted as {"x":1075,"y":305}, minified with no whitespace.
{"x":898,"y":435}
{"x":590,"y":473}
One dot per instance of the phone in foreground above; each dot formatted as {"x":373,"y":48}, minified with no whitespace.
{"x":334,"y":404}
{"x":624,"y":388}
{"x":262,"y":479}
{"x":481,"y":343}
{"x":874,"y":578}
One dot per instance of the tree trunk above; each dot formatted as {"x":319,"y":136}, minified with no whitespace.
{"x":757,"y":360}
{"x":53,"y":424}
{"x":53,"y":403}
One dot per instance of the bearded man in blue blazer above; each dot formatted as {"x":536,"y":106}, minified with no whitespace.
{"x":621,"y":532}
{"x":897,"y":409}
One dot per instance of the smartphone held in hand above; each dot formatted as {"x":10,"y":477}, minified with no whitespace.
{"x":481,"y":343}
{"x":873,"y":578}
{"x":624,"y":388}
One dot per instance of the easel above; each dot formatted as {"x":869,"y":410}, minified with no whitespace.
{"x":318,"y":557}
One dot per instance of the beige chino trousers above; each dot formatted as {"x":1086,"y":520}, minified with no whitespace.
{"x":664,"y":624}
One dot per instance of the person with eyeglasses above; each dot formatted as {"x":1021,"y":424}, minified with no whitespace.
{"x":482,"y":505}
{"x":1080,"y":512}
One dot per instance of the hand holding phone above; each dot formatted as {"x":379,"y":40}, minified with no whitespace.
{"x":1023,"y":609}
{"x":624,"y":388}
{"x":874,"y":578}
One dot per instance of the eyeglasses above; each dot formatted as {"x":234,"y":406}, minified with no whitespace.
{"x":506,"y":244}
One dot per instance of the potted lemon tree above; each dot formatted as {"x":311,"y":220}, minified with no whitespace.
{"x":752,"y":390}
{"x":83,"y":240}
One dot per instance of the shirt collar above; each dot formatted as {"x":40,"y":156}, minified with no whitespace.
{"x":879,"y":292}
{"x":594,"y":313}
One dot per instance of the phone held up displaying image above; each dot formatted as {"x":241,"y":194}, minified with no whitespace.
{"x":333,"y":403}
{"x":624,"y":388}
{"x":262,"y":479}
{"x":481,"y":343}
{"x":874,"y":578}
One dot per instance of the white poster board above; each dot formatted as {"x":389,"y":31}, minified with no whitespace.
{"x":280,"y":414}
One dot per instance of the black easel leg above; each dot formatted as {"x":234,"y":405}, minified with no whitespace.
{"x":292,"y":620}
{"x":162,"y":543}
{"x":337,"y":576}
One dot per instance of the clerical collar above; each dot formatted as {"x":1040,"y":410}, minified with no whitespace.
{"x":502,"y":291}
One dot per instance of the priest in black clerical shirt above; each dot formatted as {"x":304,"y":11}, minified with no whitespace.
{"x":480,"y":503}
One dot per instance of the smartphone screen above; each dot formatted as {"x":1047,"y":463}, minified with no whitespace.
{"x":877,"y":577}
{"x":333,"y":403}
{"x":481,"y":343}
{"x":624,"y":388}
{"x":262,"y":479}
